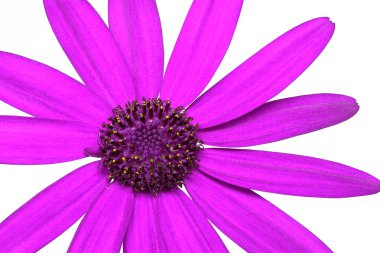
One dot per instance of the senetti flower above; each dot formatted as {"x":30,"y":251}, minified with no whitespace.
{"x":152,"y":134}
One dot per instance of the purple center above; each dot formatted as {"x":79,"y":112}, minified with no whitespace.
{"x":149,"y":146}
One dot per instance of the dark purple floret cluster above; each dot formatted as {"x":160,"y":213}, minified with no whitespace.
{"x":149,"y":146}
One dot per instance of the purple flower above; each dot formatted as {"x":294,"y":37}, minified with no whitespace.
{"x":135,"y":121}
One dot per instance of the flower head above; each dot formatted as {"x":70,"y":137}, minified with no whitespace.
{"x":149,"y":146}
{"x":148,"y":129}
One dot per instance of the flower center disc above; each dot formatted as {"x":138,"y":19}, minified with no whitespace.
{"x":149,"y":146}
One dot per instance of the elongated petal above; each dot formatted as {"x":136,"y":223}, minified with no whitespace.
{"x":201,"y":45}
{"x":264,"y":75}
{"x":42,"y":91}
{"x":52,"y":211}
{"x":282,"y":119}
{"x":136,"y":26}
{"x":183,"y":227}
{"x":26,"y":140}
{"x":91,"y":49}
{"x":249,"y":220}
{"x":287,"y":174}
{"x":143,"y":233}
{"x":103,"y":228}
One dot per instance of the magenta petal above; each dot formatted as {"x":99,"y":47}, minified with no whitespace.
{"x":264,"y":75}
{"x":26,"y":140}
{"x":249,"y":220}
{"x":286,"y":173}
{"x":51,"y":212}
{"x":42,"y":91}
{"x":183,"y":226}
{"x":144,"y":235}
{"x":282,"y":119}
{"x":201,"y":45}
{"x":103,"y":228}
{"x":136,"y":26}
{"x":91,"y":49}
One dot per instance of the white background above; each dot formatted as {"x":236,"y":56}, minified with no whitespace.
{"x":349,"y":65}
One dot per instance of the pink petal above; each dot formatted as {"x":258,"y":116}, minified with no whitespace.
{"x":136,"y":26}
{"x":144,"y":235}
{"x":287,"y":174}
{"x":264,"y":75}
{"x":201,"y":46}
{"x":51,"y":212}
{"x":183,"y":226}
{"x":26,"y":140}
{"x":42,"y":91}
{"x":249,"y":220}
{"x":91,"y":49}
{"x":103,"y":228}
{"x":282,"y":119}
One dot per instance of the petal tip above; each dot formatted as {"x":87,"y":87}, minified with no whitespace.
{"x":350,"y":103}
{"x":330,"y":25}
{"x":328,"y":19}
{"x":325,"y":22}
{"x":378,"y":186}
{"x":354,"y":105}
{"x":322,"y":20}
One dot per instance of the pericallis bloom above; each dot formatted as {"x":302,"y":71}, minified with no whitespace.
{"x":152,"y":134}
